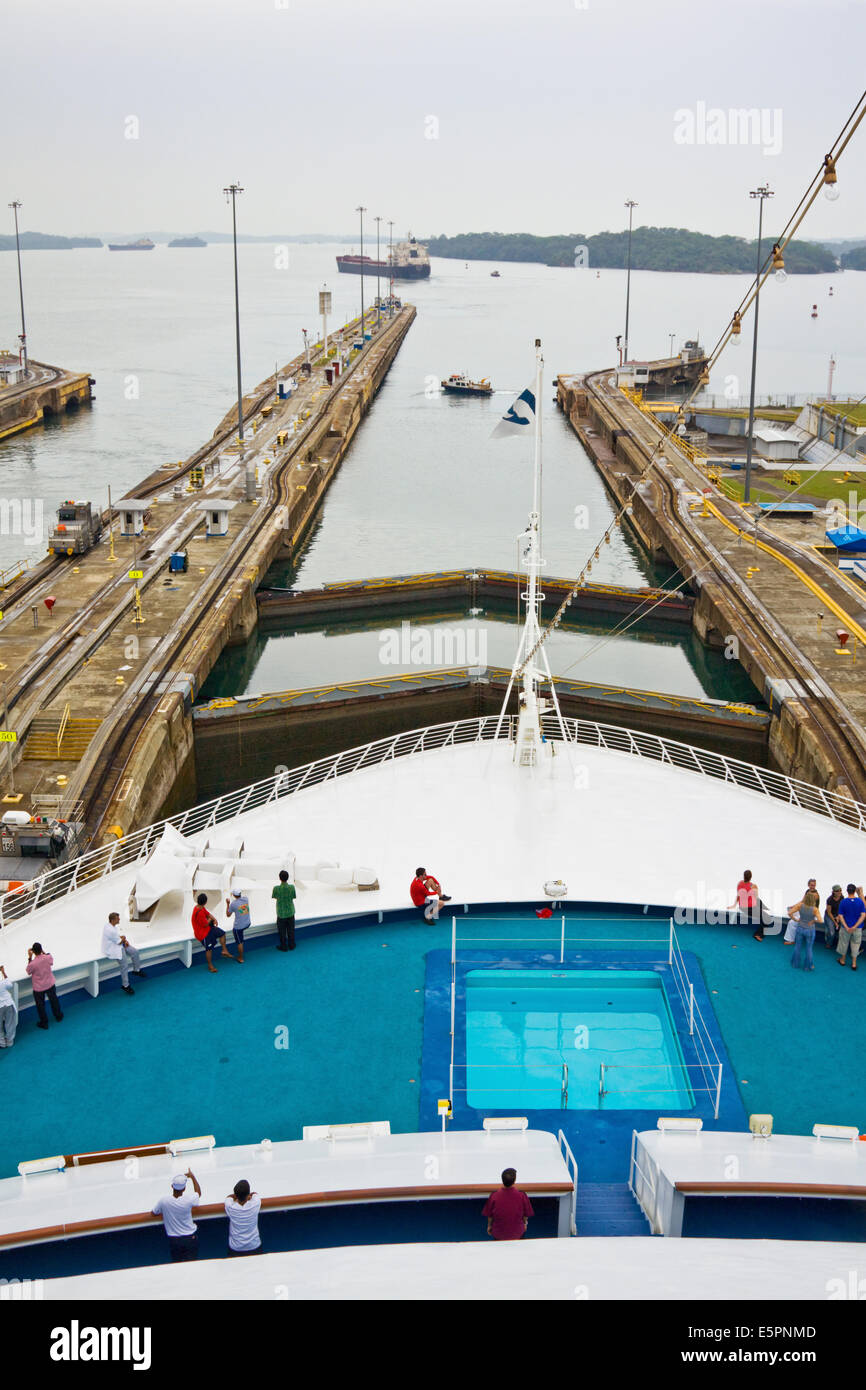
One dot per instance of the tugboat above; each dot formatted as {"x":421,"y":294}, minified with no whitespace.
{"x":457,"y":384}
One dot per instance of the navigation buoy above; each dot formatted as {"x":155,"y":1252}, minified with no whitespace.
{"x":814,"y":311}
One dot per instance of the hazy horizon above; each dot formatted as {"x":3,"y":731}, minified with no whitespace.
{"x":464,"y":116}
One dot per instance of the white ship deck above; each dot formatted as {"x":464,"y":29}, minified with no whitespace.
{"x":671,"y":1167}
{"x":595,"y":1269}
{"x":615,"y":827}
{"x":310,"y":1172}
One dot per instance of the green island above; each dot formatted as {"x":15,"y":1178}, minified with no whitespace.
{"x":43,"y":241}
{"x":652,"y":248}
{"x":854,"y":260}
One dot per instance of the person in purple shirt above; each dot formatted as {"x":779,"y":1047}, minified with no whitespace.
{"x":508,"y":1210}
{"x":852,"y":914}
{"x":39,"y":968}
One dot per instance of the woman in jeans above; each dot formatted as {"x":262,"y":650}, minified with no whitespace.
{"x":807,"y":921}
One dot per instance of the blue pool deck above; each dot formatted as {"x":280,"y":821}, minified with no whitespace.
{"x":334,"y":1032}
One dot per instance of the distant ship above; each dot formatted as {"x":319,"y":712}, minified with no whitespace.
{"x":494,"y":274}
{"x":410,"y":262}
{"x":144,"y":244}
{"x":188,"y":241}
{"x":457,"y":384}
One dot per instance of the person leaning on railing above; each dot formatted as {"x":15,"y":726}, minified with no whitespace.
{"x":40,"y":969}
{"x":508,"y":1209}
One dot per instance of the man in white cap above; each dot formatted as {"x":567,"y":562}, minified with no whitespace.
{"x":238,"y":907}
{"x":176,"y":1213}
{"x":116,"y":947}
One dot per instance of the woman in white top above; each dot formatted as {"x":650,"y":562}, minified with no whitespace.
{"x":242,"y":1210}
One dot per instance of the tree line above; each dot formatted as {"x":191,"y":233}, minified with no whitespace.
{"x":652,"y":248}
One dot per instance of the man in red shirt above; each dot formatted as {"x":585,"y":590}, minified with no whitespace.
{"x":508,"y":1209}
{"x":208,"y":931}
{"x":426,"y":893}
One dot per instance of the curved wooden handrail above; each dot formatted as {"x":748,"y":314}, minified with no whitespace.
{"x":770,"y":1189}
{"x":358,"y":1195}
{"x":114,"y":1155}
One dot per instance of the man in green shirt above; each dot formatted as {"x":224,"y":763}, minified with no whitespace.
{"x":285,"y":897}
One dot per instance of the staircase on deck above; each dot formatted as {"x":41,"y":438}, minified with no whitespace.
{"x":609,"y":1209}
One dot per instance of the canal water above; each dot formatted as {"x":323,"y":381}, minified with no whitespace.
{"x":424,"y":487}
{"x":663,"y":658}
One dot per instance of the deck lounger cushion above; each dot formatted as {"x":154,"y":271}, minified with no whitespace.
{"x":364,"y":876}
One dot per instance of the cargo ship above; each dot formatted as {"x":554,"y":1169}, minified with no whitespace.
{"x":408,"y":262}
{"x":143,"y":244}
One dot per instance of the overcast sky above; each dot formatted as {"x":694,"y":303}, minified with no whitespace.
{"x":445,"y":115}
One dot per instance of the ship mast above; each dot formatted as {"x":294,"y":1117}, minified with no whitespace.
{"x":530,"y":742}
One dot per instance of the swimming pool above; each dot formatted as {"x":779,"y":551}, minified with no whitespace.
{"x":575,"y":1040}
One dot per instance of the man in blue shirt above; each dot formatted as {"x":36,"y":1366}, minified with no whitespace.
{"x":852,"y":915}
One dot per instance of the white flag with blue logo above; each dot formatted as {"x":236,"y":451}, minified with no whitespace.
{"x":519,"y":418}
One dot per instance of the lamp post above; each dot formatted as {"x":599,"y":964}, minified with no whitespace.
{"x":378,"y":293}
{"x":23,"y":337}
{"x":762,"y":192}
{"x":232,"y":192}
{"x":671,"y":336}
{"x":362,"y":211}
{"x":631,"y":205}
{"x":324,"y":310}
{"x":391,"y":269}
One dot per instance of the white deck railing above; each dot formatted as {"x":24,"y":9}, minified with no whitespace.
{"x":93,"y":865}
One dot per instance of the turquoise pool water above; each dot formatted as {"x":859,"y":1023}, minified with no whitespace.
{"x":533,"y":1035}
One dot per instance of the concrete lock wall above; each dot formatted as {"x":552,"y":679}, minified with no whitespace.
{"x":797,"y":745}
{"x":162,"y":759}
